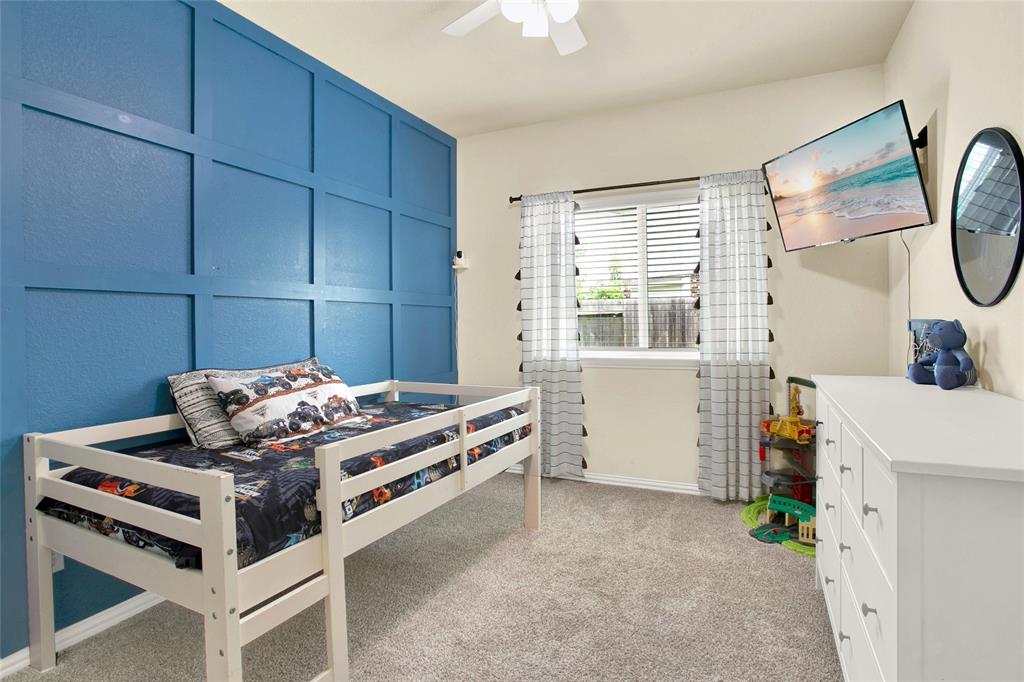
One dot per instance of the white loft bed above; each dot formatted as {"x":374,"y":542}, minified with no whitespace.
{"x":239,"y":605}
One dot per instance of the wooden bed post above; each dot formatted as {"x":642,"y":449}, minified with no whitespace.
{"x":531,"y":467}
{"x":41,"y":641}
{"x":220,"y":578}
{"x":329,"y":502}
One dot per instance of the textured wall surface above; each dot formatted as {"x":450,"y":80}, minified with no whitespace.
{"x":960,"y":68}
{"x":182,"y":189}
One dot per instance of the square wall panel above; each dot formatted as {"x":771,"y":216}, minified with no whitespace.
{"x":262,"y":102}
{"x":355,"y":339}
{"x":256,"y":332}
{"x":99,"y":357}
{"x":355,"y":141}
{"x":257,"y":227}
{"x":425,"y":349}
{"x":133,"y":56}
{"x":101,"y":200}
{"x":425,"y":257}
{"x":358,"y":244}
{"x":424,"y":170}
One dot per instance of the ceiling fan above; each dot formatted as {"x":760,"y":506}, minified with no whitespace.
{"x":540,"y":19}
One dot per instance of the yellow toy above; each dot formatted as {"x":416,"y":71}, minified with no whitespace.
{"x":791,"y":427}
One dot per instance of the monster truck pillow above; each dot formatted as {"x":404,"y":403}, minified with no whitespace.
{"x":205,"y":420}
{"x":277,"y":406}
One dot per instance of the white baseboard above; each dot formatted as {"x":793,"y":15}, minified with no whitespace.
{"x":645,"y":483}
{"x":84,"y":629}
{"x":630,"y":482}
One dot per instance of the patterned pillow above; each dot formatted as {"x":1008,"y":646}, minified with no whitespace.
{"x":279,"y":406}
{"x":205,"y":420}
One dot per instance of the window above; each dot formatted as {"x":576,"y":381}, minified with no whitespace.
{"x":636,"y":283}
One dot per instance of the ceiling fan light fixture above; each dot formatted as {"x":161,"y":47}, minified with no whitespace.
{"x":563,"y":10}
{"x":516,"y":11}
{"x":555,"y":19}
{"x":536,"y":23}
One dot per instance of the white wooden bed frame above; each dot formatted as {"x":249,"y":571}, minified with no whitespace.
{"x":239,"y":605}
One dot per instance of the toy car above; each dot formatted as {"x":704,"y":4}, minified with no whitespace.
{"x":235,"y":397}
{"x":121,"y":488}
{"x":335,"y":407}
{"x":381,"y":494}
{"x":326,"y":372}
{"x":276,"y":428}
{"x":294,"y":375}
{"x":420,"y":479}
{"x":284,"y":447}
{"x":243,"y":454}
{"x":264,"y":384}
{"x":133,"y":538}
{"x":304,"y":414}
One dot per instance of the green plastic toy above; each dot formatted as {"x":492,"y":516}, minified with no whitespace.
{"x":787,"y":505}
{"x":751,"y":517}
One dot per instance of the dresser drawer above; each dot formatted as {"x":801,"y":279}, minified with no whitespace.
{"x":858,"y":660}
{"x":828,"y":571}
{"x":851,"y":462}
{"x":828,"y":499}
{"x":873,"y":600}
{"x":827,"y":437}
{"x":878,"y":512}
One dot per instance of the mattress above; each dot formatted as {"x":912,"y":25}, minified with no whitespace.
{"x":275,"y":485}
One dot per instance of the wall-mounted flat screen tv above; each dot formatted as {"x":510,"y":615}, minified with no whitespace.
{"x":860,"y":180}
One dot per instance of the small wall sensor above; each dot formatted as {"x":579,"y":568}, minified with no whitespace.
{"x":459,"y":263}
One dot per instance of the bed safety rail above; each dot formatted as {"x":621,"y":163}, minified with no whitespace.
{"x":214,"y":532}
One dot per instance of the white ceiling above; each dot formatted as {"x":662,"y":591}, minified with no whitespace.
{"x":639,"y":51}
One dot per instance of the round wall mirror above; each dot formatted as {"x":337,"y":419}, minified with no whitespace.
{"x":986,"y":218}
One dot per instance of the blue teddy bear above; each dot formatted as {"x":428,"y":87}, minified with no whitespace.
{"x":948,"y":365}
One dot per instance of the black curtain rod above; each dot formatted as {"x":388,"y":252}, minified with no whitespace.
{"x":630,"y":185}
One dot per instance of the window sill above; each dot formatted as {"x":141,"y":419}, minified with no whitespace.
{"x":641,"y":359}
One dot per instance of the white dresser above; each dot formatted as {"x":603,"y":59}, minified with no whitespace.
{"x":921,"y":529}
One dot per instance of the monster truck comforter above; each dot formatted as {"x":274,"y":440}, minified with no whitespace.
{"x":275,"y":485}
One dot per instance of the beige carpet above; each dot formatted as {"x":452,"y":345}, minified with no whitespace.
{"x":620,"y":584}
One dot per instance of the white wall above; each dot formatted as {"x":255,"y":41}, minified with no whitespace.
{"x":964,"y":63}
{"x":831,"y":311}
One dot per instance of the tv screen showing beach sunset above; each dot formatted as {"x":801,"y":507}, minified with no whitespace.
{"x":860,"y":180}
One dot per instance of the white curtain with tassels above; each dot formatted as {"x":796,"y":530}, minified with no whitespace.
{"x":734,"y":368}
{"x":551,"y":357}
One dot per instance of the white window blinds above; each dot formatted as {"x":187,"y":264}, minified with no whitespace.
{"x":636,"y":283}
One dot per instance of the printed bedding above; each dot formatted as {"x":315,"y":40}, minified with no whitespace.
{"x":275,"y":484}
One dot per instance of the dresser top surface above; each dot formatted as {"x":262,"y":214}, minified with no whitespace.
{"x":923,"y":429}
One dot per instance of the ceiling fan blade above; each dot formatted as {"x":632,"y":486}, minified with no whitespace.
{"x":568,"y":37}
{"x":473,"y":19}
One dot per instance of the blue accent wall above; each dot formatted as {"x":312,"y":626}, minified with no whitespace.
{"x":182,"y":189}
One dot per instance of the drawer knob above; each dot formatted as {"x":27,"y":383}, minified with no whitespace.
{"x":868,"y":509}
{"x":843,"y":636}
{"x":843,"y":548}
{"x":865,"y":609}
{"x":829,"y":506}
{"x":829,"y":441}
{"x":818,"y":422}
{"x":843,"y":469}
{"x":829,"y":580}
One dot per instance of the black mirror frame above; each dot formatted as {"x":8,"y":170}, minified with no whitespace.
{"x":1019,"y":256}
